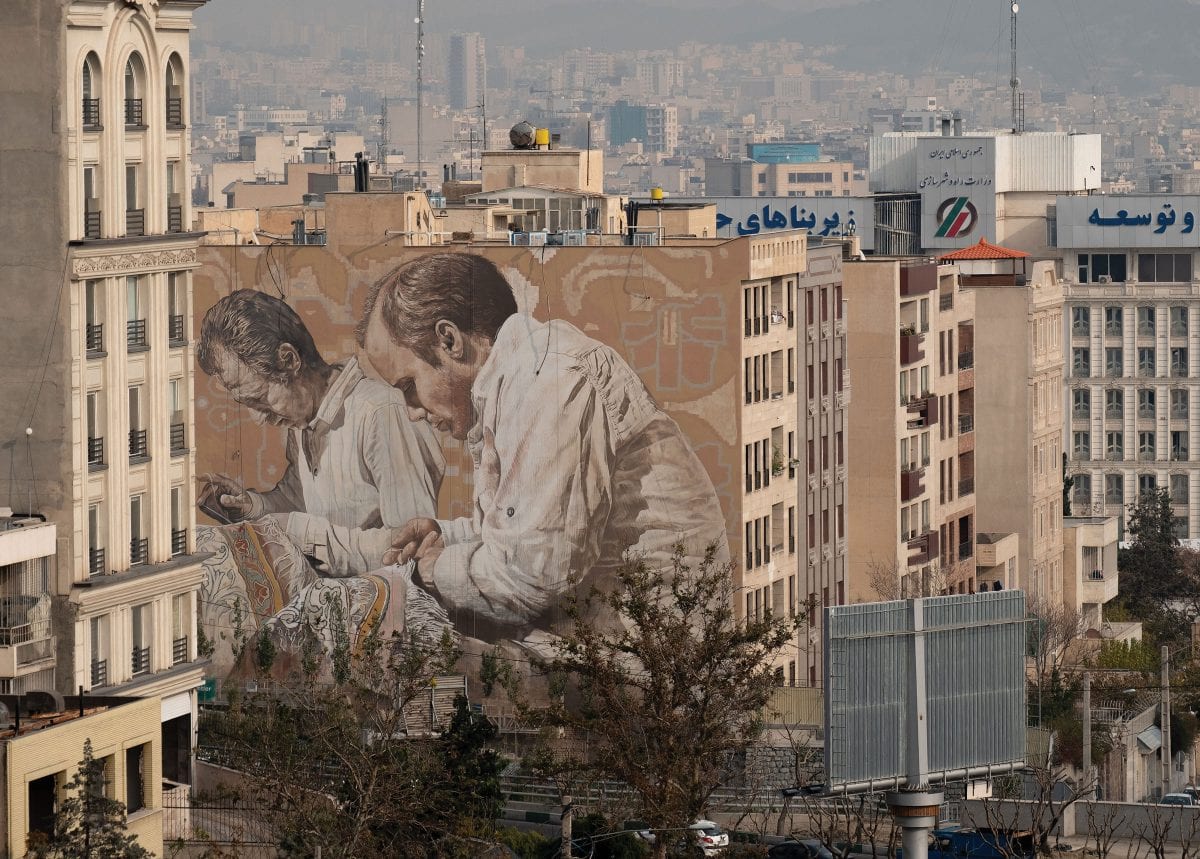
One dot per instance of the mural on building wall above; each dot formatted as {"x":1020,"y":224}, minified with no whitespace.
{"x":451,"y":443}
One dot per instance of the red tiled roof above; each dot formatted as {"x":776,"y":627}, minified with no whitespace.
{"x":983,"y":250}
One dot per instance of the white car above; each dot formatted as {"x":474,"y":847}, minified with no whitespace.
{"x":710,"y":837}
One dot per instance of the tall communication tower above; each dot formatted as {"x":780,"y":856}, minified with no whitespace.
{"x":1018,"y":120}
{"x":420,"y":21}
{"x":381,"y":152}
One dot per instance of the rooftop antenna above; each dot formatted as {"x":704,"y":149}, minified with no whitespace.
{"x":381,"y":156}
{"x":420,"y":22}
{"x":1013,"y":82}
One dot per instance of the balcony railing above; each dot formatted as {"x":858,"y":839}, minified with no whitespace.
{"x":179,"y":541}
{"x":1096,"y":576}
{"x":95,"y":449}
{"x":135,"y":334}
{"x":91,"y":224}
{"x":1081,"y":411}
{"x":140,"y":657}
{"x":137,"y":444}
{"x":94,"y":337}
{"x":1113,"y":329}
{"x":1179,"y":454}
{"x":174,"y":113}
{"x":176,"y":332}
{"x":96,"y":562}
{"x":1146,"y":455}
{"x":1080,"y":329}
{"x":174,"y":219}
{"x":99,"y":672}
{"x":966,"y":423}
{"x":178,"y":439}
{"x":966,"y":360}
{"x":139,"y":550}
{"x":91,"y":114}
{"x":1179,"y":329}
{"x":965,"y":487}
{"x":1113,"y":410}
{"x":134,"y":116}
{"x":179,"y":650}
{"x":135,"y":222}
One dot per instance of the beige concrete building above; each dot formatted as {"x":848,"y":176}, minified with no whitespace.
{"x":98,"y":359}
{"x":1018,"y":361}
{"x":1090,"y":576}
{"x":911,"y":484}
{"x":40,"y":758}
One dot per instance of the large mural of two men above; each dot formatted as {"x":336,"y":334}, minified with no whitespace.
{"x":430,"y":456}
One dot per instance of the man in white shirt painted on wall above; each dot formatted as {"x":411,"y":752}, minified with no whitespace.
{"x":357,"y":467}
{"x":575,"y":464}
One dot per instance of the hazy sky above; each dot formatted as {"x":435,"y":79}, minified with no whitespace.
{"x":1130,"y":45}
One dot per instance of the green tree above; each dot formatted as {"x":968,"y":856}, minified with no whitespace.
{"x":1152,"y":582}
{"x":1068,"y":484}
{"x":88,"y":823}
{"x":664,"y":698}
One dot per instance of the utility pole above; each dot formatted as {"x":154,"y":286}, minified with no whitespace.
{"x":567,"y":819}
{"x":1166,"y":721}
{"x":1087,"y":737}
{"x":420,"y":21}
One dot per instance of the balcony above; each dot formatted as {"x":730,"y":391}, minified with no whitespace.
{"x":1114,"y":411}
{"x":966,"y":423}
{"x":138,"y":447}
{"x":178,"y":440}
{"x":91,"y":224}
{"x":139,"y":551}
{"x":140,"y":658}
{"x":174,"y":113}
{"x":174,"y":219}
{"x":99,"y":672}
{"x":910,"y":346}
{"x":1098,"y":586}
{"x":91,"y":115}
{"x":1081,"y":329}
{"x":925,"y":548}
{"x":95,"y":450}
{"x":966,"y":360}
{"x":917,"y":278}
{"x":179,"y":650}
{"x":93,"y":338}
{"x":179,"y":542}
{"x":1081,"y":411}
{"x":910,"y":483}
{"x":134,"y":115}
{"x":923,"y":412}
{"x":96,"y":562}
{"x":135,"y":334}
{"x":135,"y":222}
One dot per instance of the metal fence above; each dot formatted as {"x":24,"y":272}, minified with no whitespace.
{"x":197,"y":820}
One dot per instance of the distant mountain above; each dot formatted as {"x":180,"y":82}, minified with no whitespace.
{"x":1078,"y":44}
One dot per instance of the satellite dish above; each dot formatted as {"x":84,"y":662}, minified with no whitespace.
{"x":522,"y":135}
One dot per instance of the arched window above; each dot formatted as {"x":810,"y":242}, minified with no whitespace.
{"x":90,"y":92}
{"x":174,"y":92}
{"x":135,"y":86}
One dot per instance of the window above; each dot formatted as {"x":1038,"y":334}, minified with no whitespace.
{"x":1179,"y":322}
{"x":1179,"y":445}
{"x":1114,"y":321}
{"x":90,"y":92}
{"x":138,"y":444}
{"x":1082,"y":489}
{"x":179,"y":534}
{"x":1114,"y":361}
{"x":1081,"y":362}
{"x":95,"y":429}
{"x":1082,"y":446}
{"x":1114,"y":403}
{"x":1114,"y":489}
{"x":1146,"y":362}
{"x":1147,"y":483}
{"x":1145,"y":321}
{"x":174,"y":91}
{"x":139,"y":552}
{"x":135,"y":779}
{"x":1114,"y":446}
{"x":1145,"y":403}
{"x":1179,"y":489}
{"x":1102,"y":268}
{"x":1179,"y":403}
{"x":1179,"y":362}
{"x":176,"y":308}
{"x":99,"y":641}
{"x":1165,"y":268}
{"x":140,"y":617}
{"x":1146,"y":446}
{"x":1081,"y":321}
{"x":135,"y":321}
{"x":95,"y":540}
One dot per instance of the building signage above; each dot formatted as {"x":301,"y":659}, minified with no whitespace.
{"x":956,"y":217}
{"x":828,"y":217}
{"x":1128,"y":221}
{"x":958,"y":193}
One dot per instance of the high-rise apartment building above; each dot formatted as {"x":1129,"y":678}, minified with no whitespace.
{"x":911,"y":486}
{"x":466,"y":71}
{"x":98,"y":376}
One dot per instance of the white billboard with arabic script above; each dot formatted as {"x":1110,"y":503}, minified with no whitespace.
{"x":819,"y":216}
{"x":957,"y":183}
{"x":1129,"y":221}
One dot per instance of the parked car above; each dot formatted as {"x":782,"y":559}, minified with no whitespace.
{"x":1177,"y":799}
{"x":710,"y":837}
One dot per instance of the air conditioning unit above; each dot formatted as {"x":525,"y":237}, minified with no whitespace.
{"x":574,"y":238}
{"x":645,"y":240}
{"x":1103,"y":278}
{"x":520,"y":239}
{"x":537,"y":239}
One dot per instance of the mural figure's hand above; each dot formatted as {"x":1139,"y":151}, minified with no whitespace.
{"x":413,"y":540}
{"x":225,"y":493}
